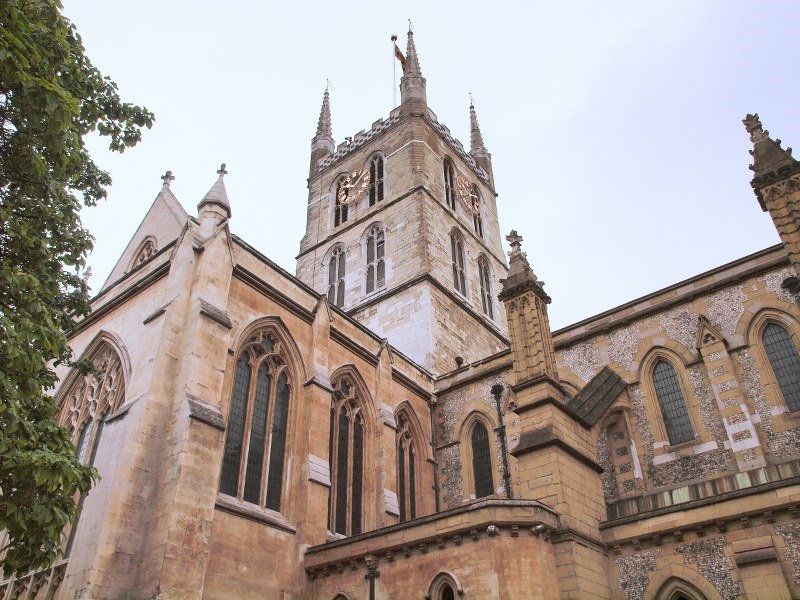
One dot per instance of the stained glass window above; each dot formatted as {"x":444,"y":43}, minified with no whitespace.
{"x":229,"y":481}
{"x":481,"y":461}
{"x":783,"y":358}
{"x":277,"y":452}
{"x":258,"y":435}
{"x":673,"y":406}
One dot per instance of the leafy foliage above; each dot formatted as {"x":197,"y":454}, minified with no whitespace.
{"x":51,"y":97}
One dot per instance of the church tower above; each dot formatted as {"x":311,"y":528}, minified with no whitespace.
{"x":402,"y":231}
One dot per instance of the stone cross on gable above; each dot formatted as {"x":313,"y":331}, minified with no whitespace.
{"x":516,"y":242}
{"x":167,"y":178}
{"x":222,"y":170}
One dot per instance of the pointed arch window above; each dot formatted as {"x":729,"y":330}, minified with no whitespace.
{"x":477,"y":220}
{"x":449,"y":184}
{"x":457,"y":251}
{"x":339,"y":207}
{"x":336,"y":273}
{"x":255,"y":440}
{"x":481,"y":461}
{"x":376,"y":265}
{"x":345,"y":505}
{"x":406,"y":470}
{"x":785,"y":362}
{"x":672,"y":403}
{"x":485,"y":277}
{"x":375,"y":180}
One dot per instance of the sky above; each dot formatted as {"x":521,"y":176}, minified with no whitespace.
{"x":615,"y":127}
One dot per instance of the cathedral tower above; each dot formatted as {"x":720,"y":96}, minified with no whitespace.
{"x":402,"y":231}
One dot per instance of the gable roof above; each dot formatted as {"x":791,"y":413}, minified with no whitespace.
{"x":163,"y":222}
{"x":597,"y":395}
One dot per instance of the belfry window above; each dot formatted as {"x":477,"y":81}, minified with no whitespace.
{"x":376,"y":265}
{"x":485,"y":277}
{"x":481,"y":461}
{"x":449,"y":184}
{"x":457,"y":250}
{"x":375,"y":180}
{"x":673,"y":406}
{"x":477,"y":220}
{"x":347,"y":460}
{"x":785,"y":363}
{"x":255,"y":441}
{"x":340,"y":207}
{"x":336,"y":277}
{"x":406,"y":470}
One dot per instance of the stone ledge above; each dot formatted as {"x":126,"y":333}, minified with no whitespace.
{"x":754,"y":557}
{"x":215,"y":314}
{"x":544,"y":437}
{"x":122,"y":410}
{"x":234,"y":506}
{"x":205,"y":412}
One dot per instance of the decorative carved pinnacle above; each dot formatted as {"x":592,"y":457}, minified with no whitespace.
{"x":515,"y":240}
{"x":167,"y":178}
{"x":221,"y":171}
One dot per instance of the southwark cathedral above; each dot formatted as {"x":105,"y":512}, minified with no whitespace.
{"x":397,"y":420}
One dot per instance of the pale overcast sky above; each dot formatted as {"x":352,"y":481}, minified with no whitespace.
{"x":615,"y":127}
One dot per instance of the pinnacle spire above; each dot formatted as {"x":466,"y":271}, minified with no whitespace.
{"x":324,"y":127}
{"x":217,"y":194}
{"x":521,"y":277}
{"x":412,"y":60}
{"x":475,"y":138}
{"x":770,"y":161}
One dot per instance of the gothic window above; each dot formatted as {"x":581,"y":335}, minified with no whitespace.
{"x":375,"y":180}
{"x":449,"y":184}
{"x":785,"y":363}
{"x":444,"y":587}
{"x":336,"y":277}
{"x":447,"y":593}
{"x":485,"y":277}
{"x":92,"y":397}
{"x":255,"y":441}
{"x":146,"y":251}
{"x":376,"y":266}
{"x":406,"y":470}
{"x":673,"y":406}
{"x":347,"y":438}
{"x":339,"y":208}
{"x":481,"y":461}
{"x":477,"y":220}
{"x":457,"y":250}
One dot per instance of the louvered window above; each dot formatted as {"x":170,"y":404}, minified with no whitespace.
{"x":257,"y":424}
{"x":376,"y":265}
{"x":449,"y":184}
{"x":481,"y":461}
{"x":486,"y":287}
{"x":457,"y":250}
{"x":785,"y":363}
{"x":345,"y":505}
{"x":340,"y":208}
{"x":375,"y":180}
{"x":336,"y":278}
{"x":673,"y":406}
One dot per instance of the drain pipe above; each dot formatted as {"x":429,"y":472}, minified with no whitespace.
{"x":497,"y":391}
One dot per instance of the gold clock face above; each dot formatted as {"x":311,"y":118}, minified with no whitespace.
{"x":353,"y":186}
{"x":469,"y":196}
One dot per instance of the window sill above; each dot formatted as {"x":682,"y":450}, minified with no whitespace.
{"x":375,"y":292}
{"x":252,"y":512}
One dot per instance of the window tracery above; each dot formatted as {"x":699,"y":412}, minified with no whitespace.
{"x":346,"y":445}
{"x":336,"y":272}
{"x":256,"y":435}
{"x":376,"y":265}
{"x":376,"y":190}
{"x":457,"y":252}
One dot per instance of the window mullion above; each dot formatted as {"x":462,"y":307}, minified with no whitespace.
{"x":271,"y":399}
{"x":248,"y":417}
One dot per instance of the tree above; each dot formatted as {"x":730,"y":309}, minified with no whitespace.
{"x":51,"y":97}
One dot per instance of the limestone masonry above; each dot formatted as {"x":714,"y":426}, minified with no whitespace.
{"x":397,"y":420}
